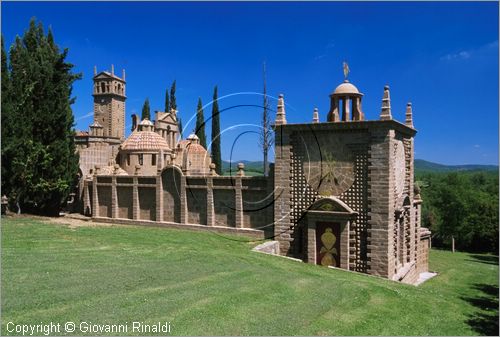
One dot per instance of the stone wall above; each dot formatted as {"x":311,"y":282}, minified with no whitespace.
{"x":236,"y":202}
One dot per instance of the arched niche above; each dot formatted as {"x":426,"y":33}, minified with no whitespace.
{"x":326,"y":234}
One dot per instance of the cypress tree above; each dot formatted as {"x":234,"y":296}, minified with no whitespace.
{"x":179,"y":123}
{"x":216,"y":152}
{"x":173,"y":101}
{"x":39,"y":149}
{"x":167,"y":102}
{"x":200,"y":124}
{"x":146,"y":113}
{"x":6,"y":116}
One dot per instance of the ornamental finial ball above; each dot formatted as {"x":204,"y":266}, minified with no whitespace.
{"x":386,"y":87}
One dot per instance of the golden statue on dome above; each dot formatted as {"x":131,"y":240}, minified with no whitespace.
{"x":346,"y":70}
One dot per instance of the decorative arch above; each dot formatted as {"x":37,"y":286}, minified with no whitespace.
{"x":173,"y":193}
{"x":332,"y":204}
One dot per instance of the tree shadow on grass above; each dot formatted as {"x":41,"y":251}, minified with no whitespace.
{"x":485,"y":320}
{"x":488,"y":259}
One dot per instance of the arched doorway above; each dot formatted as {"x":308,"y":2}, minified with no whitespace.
{"x":327,"y":233}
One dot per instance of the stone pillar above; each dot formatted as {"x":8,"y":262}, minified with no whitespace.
{"x":135,"y":199}
{"x":333,"y":114}
{"x":238,"y":197}
{"x":95,"y":198}
{"x":381,"y":201}
{"x":183,"y":199}
{"x":86,"y":199}
{"x":210,"y":199}
{"x":159,"y":196}
{"x":282,"y":178}
{"x":345,"y":110}
{"x":114,"y":198}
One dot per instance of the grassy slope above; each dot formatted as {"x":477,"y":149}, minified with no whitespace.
{"x":208,"y":284}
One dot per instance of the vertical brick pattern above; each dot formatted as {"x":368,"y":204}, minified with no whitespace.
{"x":238,"y":200}
{"x":282,"y":176}
{"x":357,"y":199}
{"x":210,"y":202}
{"x":381,"y":203}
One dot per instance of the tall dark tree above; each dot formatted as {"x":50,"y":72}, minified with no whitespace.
{"x":216,"y":137}
{"x":266,"y":133}
{"x":167,"y":102}
{"x":146,"y":113}
{"x":200,"y":124}
{"x":173,"y":101}
{"x":5,"y":115}
{"x":38,"y":151}
{"x":179,"y":123}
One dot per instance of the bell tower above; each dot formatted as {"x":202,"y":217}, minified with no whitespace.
{"x":109,"y":102}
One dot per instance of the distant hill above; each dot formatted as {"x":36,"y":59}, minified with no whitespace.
{"x":427,"y":166}
{"x":420,"y":166}
{"x":255,"y":166}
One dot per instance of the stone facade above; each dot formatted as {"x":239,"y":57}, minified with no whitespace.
{"x":341,"y":192}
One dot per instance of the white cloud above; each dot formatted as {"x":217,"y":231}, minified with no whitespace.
{"x":466,"y":54}
{"x":477,"y":146}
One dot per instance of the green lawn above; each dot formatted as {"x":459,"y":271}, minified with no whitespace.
{"x":208,"y":284}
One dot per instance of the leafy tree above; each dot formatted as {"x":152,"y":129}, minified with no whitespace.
{"x":462,"y":204}
{"x":173,"y":101}
{"x":39,"y":161}
{"x":146,"y":113}
{"x":216,"y":151}
{"x":167,"y":102}
{"x":200,"y":124}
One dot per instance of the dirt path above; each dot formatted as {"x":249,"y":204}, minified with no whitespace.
{"x":71,"y":220}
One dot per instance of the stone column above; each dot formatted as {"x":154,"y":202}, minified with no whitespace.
{"x":210,"y":201}
{"x":159,"y":196}
{"x":95,"y":198}
{"x":184,"y":209}
{"x":282,"y":178}
{"x":135,"y":199}
{"x":238,"y":197}
{"x":345,"y":109}
{"x":86,"y":199}
{"x":114,"y":198}
{"x":381,"y":200}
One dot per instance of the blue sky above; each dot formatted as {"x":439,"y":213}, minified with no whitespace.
{"x":443,"y":57}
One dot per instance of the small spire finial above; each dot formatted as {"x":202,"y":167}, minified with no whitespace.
{"x":315,"y":116}
{"x":409,"y":115}
{"x":386,"y":105}
{"x":112,"y":69}
{"x":280,"y":111}
{"x":123,"y":74}
{"x":346,"y":70}
{"x":95,"y":70}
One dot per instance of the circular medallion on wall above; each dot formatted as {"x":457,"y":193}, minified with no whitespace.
{"x":332,"y":173}
{"x":399,"y":169}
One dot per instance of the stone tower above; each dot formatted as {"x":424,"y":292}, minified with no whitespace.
{"x":109,"y":103}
